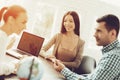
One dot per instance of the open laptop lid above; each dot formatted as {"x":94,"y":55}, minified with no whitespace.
{"x":30,"y":43}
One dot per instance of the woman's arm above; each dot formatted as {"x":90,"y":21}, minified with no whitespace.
{"x":48,"y":46}
{"x":6,"y":68}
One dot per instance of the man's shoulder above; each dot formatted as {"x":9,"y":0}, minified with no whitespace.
{"x":117,"y":50}
{"x":118,"y":46}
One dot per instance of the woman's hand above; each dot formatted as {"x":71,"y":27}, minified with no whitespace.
{"x":42,"y":53}
{"x":50,"y":57}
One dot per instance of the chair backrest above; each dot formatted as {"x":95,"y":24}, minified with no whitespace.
{"x":88,"y":64}
{"x":2,"y":78}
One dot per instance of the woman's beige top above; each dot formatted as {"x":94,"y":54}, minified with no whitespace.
{"x":70,"y":59}
{"x":64,"y":54}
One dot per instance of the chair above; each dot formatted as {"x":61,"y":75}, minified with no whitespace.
{"x":88,"y":64}
{"x":2,"y":78}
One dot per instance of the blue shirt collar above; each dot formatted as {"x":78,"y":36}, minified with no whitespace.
{"x":110,"y":46}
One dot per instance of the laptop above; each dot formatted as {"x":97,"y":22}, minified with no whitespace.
{"x":29,"y":44}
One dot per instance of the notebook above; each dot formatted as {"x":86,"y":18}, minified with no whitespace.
{"x":29,"y":44}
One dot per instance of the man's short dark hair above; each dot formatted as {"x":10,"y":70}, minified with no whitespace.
{"x":112,"y":22}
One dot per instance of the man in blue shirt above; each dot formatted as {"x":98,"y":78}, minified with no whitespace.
{"x":108,"y":67}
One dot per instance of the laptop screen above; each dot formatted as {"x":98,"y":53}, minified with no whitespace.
{"x":30,"y":43}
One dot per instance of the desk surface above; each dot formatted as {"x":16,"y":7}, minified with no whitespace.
{"x":49,"y":72}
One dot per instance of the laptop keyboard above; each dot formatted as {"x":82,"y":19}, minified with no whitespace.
{"x":14,"y":54}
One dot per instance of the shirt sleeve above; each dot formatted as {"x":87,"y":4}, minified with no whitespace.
{"x":6,"y":68}
{"x":107,"y":69}
{"x":50,"y":43}
{"x":69,"y":75}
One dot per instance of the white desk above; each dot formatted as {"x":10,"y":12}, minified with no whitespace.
{"x":49,"y":72}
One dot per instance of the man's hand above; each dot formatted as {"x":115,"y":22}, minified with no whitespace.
{"x":58,"y":65}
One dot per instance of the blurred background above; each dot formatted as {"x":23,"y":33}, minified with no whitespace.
{"x":45,"y":16}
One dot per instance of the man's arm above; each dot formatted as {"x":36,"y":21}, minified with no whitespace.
{"x":107,"y":69}
{"x":69,"y":75}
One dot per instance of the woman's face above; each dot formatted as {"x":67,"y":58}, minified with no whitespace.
{"x":20,"y":23}
{"x":69,"y":23}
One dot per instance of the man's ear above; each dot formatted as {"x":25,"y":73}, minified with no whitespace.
{"x":113,"y":32}
{"x":11,"y":20}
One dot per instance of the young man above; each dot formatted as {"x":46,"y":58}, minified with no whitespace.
{"x":109,"y":66}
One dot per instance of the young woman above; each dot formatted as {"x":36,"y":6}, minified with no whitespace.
{"x":15,"y":19}
{"x":68,"y":46}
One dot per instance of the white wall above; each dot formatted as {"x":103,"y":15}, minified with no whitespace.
{"x":88,"y":11}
